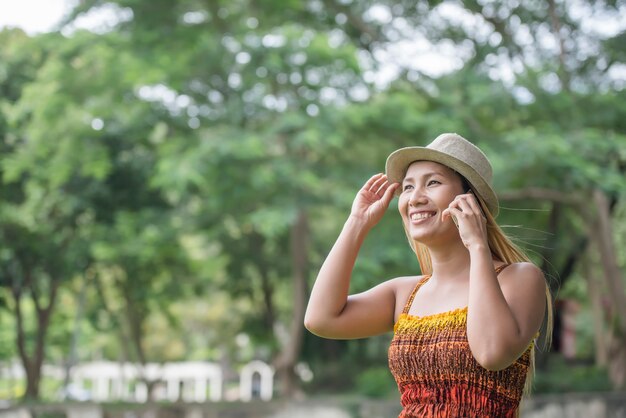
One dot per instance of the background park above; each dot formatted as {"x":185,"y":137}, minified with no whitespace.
{"x":173,"y":172}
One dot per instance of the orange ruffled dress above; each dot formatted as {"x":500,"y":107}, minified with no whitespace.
{"x":437,"y":375}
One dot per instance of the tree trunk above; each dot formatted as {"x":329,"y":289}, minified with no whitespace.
{"x":135,"y":322}
{"x":31,"y":388}
{"x":603,"y":237}
{"x":72,"y":355}
{"x":121,"y":333}
{"x":608,"y":257}
{"x":300,"y":264}
{"x":595,"y":295}
{"x":555,"y":25}
{"x":33,"y":362}
{"x":269,"y":315}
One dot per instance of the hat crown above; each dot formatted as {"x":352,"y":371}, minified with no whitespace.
{"x":460,"y":148}
{"x":454,"y":151}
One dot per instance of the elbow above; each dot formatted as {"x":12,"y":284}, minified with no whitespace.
{"x":319,"y":326}
{"x":309,"y":324}
{"x":493,"y":364}
{"x":313,"y":325}
{"x":316,"y":330}
{"x":494,"y":359}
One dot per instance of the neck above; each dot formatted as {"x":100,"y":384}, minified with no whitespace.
{"x":450,"y":262}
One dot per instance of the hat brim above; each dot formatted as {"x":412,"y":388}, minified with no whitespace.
{"x":398,"y":162}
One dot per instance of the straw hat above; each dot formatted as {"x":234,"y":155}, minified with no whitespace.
{"x":453,"y":151}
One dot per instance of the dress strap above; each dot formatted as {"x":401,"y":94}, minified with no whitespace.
{"x":500,"y":268}
{"x":409,"y":302}
{"x":424,"y":279}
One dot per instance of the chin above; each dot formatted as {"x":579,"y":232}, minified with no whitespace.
{"x":420,"y":237}
{"x":429,"y":236}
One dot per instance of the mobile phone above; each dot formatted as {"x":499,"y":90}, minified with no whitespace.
{"x":477,"y":201}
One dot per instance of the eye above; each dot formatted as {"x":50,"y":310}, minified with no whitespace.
{"x":406,"y":187}
{"x":432,"y":182}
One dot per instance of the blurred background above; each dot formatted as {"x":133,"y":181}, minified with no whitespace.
{"x":173,"y":173}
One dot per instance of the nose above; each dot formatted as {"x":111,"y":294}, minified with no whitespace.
{"x":417,"y":197}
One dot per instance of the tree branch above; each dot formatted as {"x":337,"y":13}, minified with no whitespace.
{"x":124,"y":338}
{"x":43,"y":321}
{"x":19,"y":319}
{"x":357,"y":23}
{"x":556,"y":29}
{"x":538,"y":193}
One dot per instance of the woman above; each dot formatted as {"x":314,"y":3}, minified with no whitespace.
{"x":464,"y":331}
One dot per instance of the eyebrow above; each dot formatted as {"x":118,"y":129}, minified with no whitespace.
{"x":425,"y":175}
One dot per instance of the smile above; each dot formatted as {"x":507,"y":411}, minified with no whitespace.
{"x":418,"y":216}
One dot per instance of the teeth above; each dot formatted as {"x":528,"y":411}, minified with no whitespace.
{"x":421,"y":215}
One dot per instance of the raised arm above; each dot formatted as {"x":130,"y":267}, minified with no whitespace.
{"x":504,"y":312}
{"x":331,"y":313}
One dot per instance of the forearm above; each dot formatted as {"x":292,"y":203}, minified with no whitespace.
{"x":330,"y":291}
{"x":492,"y":329}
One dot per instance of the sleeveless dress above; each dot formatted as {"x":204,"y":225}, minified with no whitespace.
{"x":437,"y":376}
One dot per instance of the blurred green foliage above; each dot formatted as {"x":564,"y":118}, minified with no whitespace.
{"x":562,"y":376}
{"x":170,"y":185}
{"x":376,"y":382}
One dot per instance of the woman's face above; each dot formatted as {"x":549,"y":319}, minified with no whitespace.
{"x":426,"y":191}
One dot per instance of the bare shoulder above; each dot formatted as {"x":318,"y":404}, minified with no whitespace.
{"x":524,"y":279}
{"x":395,"y":288}
{"x":522,"y":271}
{"x":404,"y":284}
{"x":399,"y":288}
{"x":402,"y":287}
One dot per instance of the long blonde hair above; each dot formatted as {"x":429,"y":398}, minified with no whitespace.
{"x":503,"y":249}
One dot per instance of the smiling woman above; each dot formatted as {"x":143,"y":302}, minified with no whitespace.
{"x":465,"y":329}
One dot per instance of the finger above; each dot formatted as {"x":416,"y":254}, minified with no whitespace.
{"x":464,"y":202}
{"x":449,"y":212}
{"x":378,"y":183}
{"x":464,"y":206}
{"x":389,"y":193}
{"x":368,"y":184}
{"x":475,"y":204}
{"x":452,"y":213}
{"x":382,"y":188}
{"x":456,"y":204}
{"x":457,"y":199}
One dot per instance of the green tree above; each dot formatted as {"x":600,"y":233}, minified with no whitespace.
{"x":42,"y":242}
{"x":86,"y":175}
{"x":214,"y":148}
